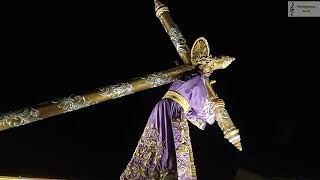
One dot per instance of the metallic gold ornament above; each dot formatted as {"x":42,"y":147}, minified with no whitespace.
{"x":224,"y":121}
{"x":200,"y":55}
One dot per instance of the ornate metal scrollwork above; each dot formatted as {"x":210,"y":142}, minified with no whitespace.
{"x":19,"y":118}
{"x":157,"y":79}
{"x":226,"y":125}
{"x":178,"y":40}
{"x":116,"y":91}
{"x":224,"y":120}
{"x":73,"y":103}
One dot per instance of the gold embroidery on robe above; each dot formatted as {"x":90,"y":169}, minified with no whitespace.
{"x":184,"y":154}
{"x":145,"y":157}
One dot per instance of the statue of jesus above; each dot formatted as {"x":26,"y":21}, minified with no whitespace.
{"x":164,"y":150}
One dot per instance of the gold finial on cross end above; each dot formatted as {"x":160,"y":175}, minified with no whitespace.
{"x":159,"y":7}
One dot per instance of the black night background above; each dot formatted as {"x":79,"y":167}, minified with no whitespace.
{"x":53,"y":51}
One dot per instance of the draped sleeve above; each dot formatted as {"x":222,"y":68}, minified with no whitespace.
{"x":200,"y":109}
{"x":194,"y":119}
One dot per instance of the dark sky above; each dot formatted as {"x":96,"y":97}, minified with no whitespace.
{"x":53,"y":51}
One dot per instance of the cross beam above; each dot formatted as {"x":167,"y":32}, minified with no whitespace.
{"x":223,"y":119}
{"x":76,"y":102}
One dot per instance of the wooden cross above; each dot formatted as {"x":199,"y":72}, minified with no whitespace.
{"x":67,"y":104}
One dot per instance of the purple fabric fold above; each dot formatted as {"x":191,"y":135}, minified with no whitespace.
{"x":164,"y":149}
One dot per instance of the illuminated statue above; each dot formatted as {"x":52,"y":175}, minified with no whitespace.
{"x":164,"y":150}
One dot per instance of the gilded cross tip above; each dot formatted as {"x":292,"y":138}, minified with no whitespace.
{"x":158,"y":4}
{"x":238,"y":145}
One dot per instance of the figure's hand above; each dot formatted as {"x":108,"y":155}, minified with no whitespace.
{"x":218,"y":102}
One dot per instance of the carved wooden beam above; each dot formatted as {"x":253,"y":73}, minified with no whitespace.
{"x":75,"y":102}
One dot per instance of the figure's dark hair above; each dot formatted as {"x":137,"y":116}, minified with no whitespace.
{"x":189,"y":74}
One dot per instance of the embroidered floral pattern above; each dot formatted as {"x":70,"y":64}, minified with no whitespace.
{"x":185,"y":162}
{"x":145,"y":158}
{"x":209,"y":111}
{"x":197,"y":122}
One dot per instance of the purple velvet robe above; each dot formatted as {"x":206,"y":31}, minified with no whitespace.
{"x":164,"y":150}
